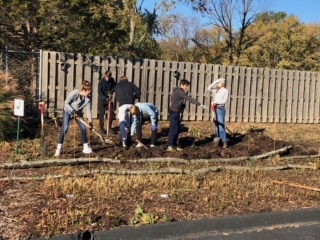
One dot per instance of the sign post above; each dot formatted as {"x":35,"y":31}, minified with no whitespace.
{"x":18,"y":111}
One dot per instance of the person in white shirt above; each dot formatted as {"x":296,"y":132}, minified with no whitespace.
{"x":218,"y":106}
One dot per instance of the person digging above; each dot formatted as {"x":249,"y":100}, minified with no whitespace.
{"x":218,"y":107}
{"x":106,"y":88}
{"x":140,"y":113}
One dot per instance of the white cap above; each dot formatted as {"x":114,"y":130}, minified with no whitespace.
{"x":221,"y":80}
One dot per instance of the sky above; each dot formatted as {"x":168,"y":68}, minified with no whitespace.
{"x":306,"y":10}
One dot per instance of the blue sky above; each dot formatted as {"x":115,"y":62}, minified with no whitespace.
{"x":308,"y":11}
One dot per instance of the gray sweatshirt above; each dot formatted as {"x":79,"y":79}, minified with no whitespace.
{"x":76,"y":102}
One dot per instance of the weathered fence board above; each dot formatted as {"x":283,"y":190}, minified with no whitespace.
{"x":259,"y":78}
{"x":255,"y":94}
{"x":311,"y":97}
{"x":289,"y":97}
{"x":283,"y":96}
{"x":317,"y":97}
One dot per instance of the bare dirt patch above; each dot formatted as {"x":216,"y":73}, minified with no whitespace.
{"x":202,"y":186}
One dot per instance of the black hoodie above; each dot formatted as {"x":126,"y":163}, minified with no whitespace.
{"x":126,"y":92}
{"x":177,"y":98}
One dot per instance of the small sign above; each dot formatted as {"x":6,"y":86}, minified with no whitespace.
{"x":19,"y":107}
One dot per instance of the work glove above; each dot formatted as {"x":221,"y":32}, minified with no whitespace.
{"x":183,"y":106}
{"x":154,"y":127}
{"x":203,"y":106}
{"x":110,"y":97}
{"x":91,"y":125}
{"x":213,"y":107}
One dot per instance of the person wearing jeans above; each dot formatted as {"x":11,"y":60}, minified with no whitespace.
{"x":126,"y":93}
{"x":74,"y":104}
{"x":140,"y":113}
{"x":220,"y":124}
{"x":178,"y":97}
{"x":218,"y":106}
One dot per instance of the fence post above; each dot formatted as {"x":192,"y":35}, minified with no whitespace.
{"x":40,"y":64}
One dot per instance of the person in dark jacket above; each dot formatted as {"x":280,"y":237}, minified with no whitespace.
{"x":106,"y":88}
{"x":126,"y":93}
{"x":177,"y":105}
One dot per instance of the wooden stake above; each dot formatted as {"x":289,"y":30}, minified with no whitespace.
{"x":297,"y":185}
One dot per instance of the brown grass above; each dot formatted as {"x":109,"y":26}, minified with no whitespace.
{"x":66,"y":205}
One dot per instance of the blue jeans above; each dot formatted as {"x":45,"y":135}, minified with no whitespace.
{"x":220,"y":124}
{"x":153,"y":133}
{"x":65,"y":127}
{"x":174,"y":128}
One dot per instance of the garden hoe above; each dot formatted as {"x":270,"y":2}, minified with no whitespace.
{"x":103,"y":139}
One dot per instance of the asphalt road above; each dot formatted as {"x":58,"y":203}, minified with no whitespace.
{"x":293,"y":225}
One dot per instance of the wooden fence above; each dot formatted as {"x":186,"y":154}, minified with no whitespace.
{"x":256,"y":94}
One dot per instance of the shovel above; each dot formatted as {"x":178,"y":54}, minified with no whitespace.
{"x":109,"y":118}
{"x":44,"y":142}
{"x":141,"y":144}
{"x":216,"y":139}
{"x":103,"y":139}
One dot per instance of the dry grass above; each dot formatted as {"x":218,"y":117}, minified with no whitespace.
{"x":236,"y":192}
{"x":66,"y":205}
{"x":8,"y":92}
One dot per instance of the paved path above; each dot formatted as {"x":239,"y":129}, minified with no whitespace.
{"x":293,"y":225}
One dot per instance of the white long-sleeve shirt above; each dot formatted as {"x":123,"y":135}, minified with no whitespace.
{"x":220,"y":95}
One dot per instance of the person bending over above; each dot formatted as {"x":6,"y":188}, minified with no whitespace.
{"x":140,"y":113}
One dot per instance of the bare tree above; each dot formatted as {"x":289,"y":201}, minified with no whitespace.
{"x":234,"y":17}
{"x":179,"y":39}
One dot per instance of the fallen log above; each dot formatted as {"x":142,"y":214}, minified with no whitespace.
{"x":91,"y":172}
{"x":74,"y":161}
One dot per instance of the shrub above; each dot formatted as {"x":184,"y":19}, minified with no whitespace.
{"x":8,"y":92}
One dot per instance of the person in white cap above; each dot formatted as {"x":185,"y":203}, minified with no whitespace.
{"x":218,"y":106}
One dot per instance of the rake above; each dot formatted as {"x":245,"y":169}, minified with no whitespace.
{"x":110,"y":116}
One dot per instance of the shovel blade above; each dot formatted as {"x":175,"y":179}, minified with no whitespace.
{"x":106,"y":140}
{"x":216,"y":142}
